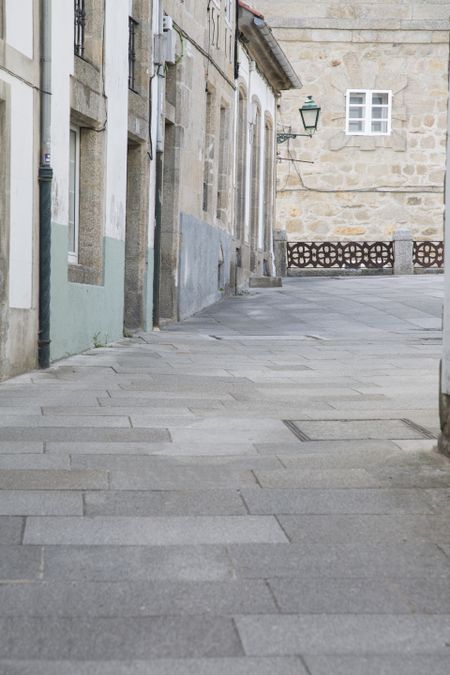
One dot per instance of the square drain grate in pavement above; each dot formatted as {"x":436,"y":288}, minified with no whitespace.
{"x":350,"y":430}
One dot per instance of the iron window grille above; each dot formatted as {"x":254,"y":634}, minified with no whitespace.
{"x":79,"y":27}
{"x":132,"y":28}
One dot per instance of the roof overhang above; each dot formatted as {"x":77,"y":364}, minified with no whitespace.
{"x":265,"y":50}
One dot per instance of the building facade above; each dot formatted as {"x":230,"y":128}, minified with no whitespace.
{"x":19,"y":161}
{"x":196,"y":103}
{"x":263,"y":72}
{"x":137,"y":166}
{"x":216,"y":147}
{"x":101,"y":167}
{"x":379,"y":72}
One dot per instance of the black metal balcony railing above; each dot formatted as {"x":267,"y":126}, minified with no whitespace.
{"x":132,"y":26}
{"x":79,"y":27}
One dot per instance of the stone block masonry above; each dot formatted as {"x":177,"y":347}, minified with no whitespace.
{"x":364,"y":186}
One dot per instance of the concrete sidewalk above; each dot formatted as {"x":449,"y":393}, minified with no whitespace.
{"x":252,"y":492}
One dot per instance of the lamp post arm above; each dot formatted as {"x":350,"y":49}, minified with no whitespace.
{"x":282,"y":137}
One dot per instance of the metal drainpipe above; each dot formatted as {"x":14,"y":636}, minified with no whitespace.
{"x":236,"y":43}
{"x":157,"y":241}
{"x":45,"y":187}
{"x":159,"y":178}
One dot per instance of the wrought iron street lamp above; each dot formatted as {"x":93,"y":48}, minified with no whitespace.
{"x":309,"y":113}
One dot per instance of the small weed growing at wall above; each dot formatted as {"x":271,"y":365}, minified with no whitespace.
{"x":98,"y":342}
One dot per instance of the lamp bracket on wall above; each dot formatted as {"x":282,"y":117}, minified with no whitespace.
{"x":282,"y":137}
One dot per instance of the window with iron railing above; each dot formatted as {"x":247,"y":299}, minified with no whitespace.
{"x":132,"y":29}
{"x":79,"y":26}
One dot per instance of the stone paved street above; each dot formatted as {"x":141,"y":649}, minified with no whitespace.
{"x":251,"y":492}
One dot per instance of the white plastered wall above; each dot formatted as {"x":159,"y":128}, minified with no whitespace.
{"x":116,"y":89}
{"x":256,"y":87}
{"x":19,"y":36}
{"x":19,"y":25}
{"x":62,"y":68}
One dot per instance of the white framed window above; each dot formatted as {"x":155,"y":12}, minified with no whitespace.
{"x":74,"y":193}
{"x":368,"y":112}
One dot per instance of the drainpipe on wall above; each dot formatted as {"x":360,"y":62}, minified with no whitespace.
{"x":45,"y":187}
{"x":157,"y":240}
{"x":159,"y":167}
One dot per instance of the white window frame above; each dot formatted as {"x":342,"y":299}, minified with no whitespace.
{"x":367,"y":110}
{"x":73,"y":255}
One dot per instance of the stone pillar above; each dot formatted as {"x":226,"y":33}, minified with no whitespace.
{"x":403,"y":252}
{"x":444,"y":384}
{"x":444,"y":416}
{"x":280,"y":252}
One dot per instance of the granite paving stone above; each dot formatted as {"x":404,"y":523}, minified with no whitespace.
{"x":328,"y":478}
{"x":156,"y":463}
{"x":208,"y":666}
{"x":11,"y":529}
{"x":279,"y":635}
{"x":12,"y":448}
{"x":153,"y":393}
{"x":83,"y":434}
{"x":98,"y":638}
{"x":345,"y":501}
{"x":136,"y":563}
{"x":153,"y":448}
{"x":31,"y":409}
{"x":164,"y":503}
{"x":123,"y":411}
{"x":357,"y":528}
{"x":34,"y":461}
{"x":135,"y":599}
{"x":55,"y":421}
{"x":157,"y":515}
{"x":180,"y":478}
{"x":378,"y":665}
{"x":320,"y":558}
{"x":54,"y":480}
{"x":19,"y":563}
{"x":157,"y":403}
{"x":346,"y":596}
{"x":40,"y":503}
{"x":149,"y":531}
{"x":339,"y":448}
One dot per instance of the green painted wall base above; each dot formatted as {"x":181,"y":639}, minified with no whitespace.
{"x":78,"y":312}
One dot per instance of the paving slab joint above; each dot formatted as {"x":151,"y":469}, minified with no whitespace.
{"x":305,"y":665}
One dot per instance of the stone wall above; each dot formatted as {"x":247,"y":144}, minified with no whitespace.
{"x":364,"y":187}
{"x":199,"y":110}
{"x":205,"y":259}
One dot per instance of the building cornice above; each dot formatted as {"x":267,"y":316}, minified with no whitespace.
{"x":264,"y":49}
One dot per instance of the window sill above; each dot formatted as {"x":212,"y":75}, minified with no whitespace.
{"x":362,"y":133}
{"x":82,"y":274}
